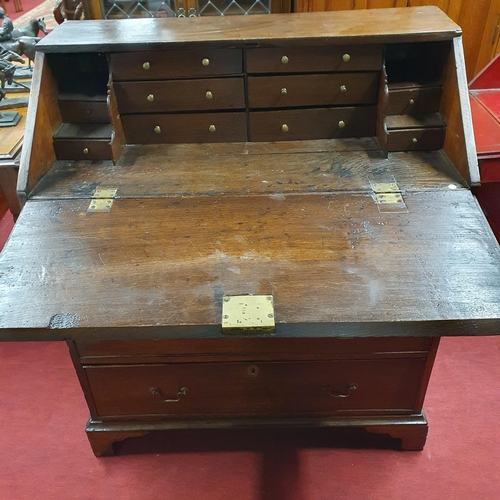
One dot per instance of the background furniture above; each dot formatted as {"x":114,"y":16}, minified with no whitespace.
{"x":342,"y":204}
{"x":485,"y":99}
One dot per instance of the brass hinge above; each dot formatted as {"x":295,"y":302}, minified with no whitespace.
{"x":388,"y":197}
{"x":102,"y":200}
{"x":247,"y":313}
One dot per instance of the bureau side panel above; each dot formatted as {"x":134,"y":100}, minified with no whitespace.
{"x":455,"y":107}
{"x":42,"y":120}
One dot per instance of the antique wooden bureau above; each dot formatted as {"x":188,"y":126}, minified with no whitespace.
{"x":320,"y":162}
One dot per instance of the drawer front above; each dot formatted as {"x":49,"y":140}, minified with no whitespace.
{"x":180,"y":95}
{"x":187,"y":128}
{"x":84,"y":111}
{"x":84,"y":149}
{"x":312,"y":90}
{"x":425,"y":139}
{"x":155,"y":65}
{"x":278,"y":389}
{"x":284,"y":349}
{"x":314,"y":59}
{"x":310,"y":124}
{"x":414,"y":101}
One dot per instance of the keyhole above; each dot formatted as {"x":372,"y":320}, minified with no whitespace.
{"x":253,"y":371}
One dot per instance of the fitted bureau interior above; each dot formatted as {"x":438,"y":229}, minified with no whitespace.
{"x":249,"y":95}
{"x":360,"y":103}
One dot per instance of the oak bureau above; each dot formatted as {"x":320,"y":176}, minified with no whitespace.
{"x":317,"y":163}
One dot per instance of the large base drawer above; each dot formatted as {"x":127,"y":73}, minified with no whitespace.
{"x":260,"y":388}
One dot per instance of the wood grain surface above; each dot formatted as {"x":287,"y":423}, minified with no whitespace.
{"x":42,"y":120}
{"x":244,"y":168}
{"x":388,"y":25}
{"x":335,"y":265}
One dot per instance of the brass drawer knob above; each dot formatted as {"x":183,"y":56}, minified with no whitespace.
{"x":150,"y":98}
{"x":284,"y":60}
{"x":346,"y":58}
{"x":146,"y":65}
{"x":284,"y":91}
{"x":411,"y":101}
{"x":157,"y":129}
{"x":212,"y":128}
{"x":209,"y":94}
{"x":341,"y":124}
{"x":414,"y":140}
{"x":205,"y":61}
{"x":343,"y":88}
{"x":85,"y":151}
{"x":284,"y":127}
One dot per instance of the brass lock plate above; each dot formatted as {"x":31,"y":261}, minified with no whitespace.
{"x":247,"y":313}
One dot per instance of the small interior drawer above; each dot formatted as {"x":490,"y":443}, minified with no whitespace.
{"x":423,"y":139}
{"x":310,"y":124}
{"x":83,"y":149}
{"x":264,"y":388}
{"x":154,"y":65}
{"x":185,"y":128}
{"x":83,"y":141}
{"x":413,"y":100}
{"x":77,"y":110}
{"x":312,"y":90}
{"x":314,"y":59}
{"x":180,"y":95}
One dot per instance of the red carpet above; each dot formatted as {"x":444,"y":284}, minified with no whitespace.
{"x":6,"y":225}
{"x":45,"y":453}
{"x":27,"y":6}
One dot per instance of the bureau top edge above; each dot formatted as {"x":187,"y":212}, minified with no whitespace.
{"x":367,"y":26}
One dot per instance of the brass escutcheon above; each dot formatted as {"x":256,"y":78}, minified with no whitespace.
{"x":284,"y":91}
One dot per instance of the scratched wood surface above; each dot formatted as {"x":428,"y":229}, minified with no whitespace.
{"x":382,"y":25}
{"x":333,"y":263}
{"x":147,"y":171}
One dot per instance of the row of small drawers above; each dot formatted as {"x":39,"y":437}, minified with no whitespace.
{"x":190,"y":63}
{"x":285,"y":125}
{"x":263,"y":92}
{"x":246,"y":388}
{"x":299,"y":124}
